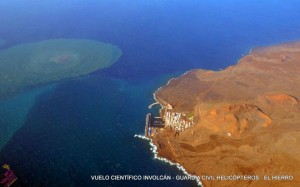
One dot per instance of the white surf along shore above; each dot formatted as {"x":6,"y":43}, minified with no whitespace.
{"x":154,"y":147}
{"x":154,"y":151}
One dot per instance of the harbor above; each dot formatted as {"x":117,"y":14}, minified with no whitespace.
{"x":153,"y":125}
{"x":167,"y":118}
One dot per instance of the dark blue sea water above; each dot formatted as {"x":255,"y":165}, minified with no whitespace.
{"x":85,"y":126}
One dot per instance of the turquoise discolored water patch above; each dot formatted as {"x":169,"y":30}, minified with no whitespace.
{"x":29,"y":65}
{"x":13,"y":112}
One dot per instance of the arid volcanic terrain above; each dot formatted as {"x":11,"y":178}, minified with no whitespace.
{"x":246,"y":120}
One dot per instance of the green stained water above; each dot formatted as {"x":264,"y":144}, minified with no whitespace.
{"x":14,"y":112}
{"x":27,"y":65}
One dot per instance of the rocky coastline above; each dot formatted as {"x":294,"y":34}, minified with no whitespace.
{"x":238,"y":126}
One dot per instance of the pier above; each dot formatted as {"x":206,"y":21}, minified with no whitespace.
{"x":153,"y":125}
{"x":150,"y":106}
{"x":148,"y":125}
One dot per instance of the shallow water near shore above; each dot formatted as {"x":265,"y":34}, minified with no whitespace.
{"x":86,"y":126}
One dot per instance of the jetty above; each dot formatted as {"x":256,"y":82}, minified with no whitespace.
{"x":150,"y":106}
{"x":153,"y":125}
{"x":148,"y":125}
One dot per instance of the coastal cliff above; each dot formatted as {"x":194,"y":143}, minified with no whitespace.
{"x":242,"y":121}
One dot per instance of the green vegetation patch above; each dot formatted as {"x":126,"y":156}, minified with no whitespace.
{"x":190,"y":115}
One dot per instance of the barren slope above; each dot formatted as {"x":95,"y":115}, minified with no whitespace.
{"x":247,"y":119}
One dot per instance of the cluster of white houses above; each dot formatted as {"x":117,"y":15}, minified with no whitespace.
{"x":175,"y":120}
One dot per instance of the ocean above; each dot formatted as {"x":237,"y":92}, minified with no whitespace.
{"x":68,"y":131}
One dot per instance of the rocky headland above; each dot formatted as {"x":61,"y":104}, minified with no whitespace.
{"x":243,"y":121}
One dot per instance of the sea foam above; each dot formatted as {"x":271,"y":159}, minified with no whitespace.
{"x":154,"y":150}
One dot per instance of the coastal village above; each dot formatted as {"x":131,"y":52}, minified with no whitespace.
{"x":167,"y":118}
